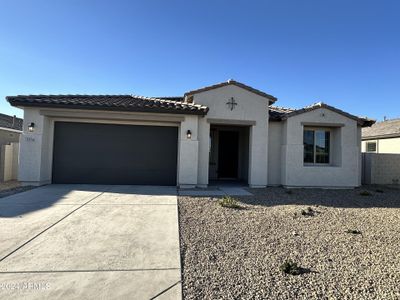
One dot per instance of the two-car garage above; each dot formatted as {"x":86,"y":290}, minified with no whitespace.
{"x":114,"y":154}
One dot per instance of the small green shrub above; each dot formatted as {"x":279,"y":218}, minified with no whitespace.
{"x":229,"y":202}
{"x":289,"y":192}
{"x":365,"y":193}
{"x":353,"y":231}
{"x":291,"y":268}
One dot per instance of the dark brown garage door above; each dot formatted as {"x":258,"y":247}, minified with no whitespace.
{"x":114,"y":154}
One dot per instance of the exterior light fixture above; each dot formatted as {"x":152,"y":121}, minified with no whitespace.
{"x":189,"y":134}
{"x":31,"y":127}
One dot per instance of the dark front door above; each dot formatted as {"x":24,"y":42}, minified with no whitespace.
{"x":228,"y":154}
{"x":114,"y":154}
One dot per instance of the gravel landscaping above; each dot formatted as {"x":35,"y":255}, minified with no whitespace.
{"x":345,"y":243}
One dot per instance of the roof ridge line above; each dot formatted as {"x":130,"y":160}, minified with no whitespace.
{"x":271,"y":98}
{"x":282,"y":107}
{"x":168,"y":101}
{"x":361,"y":120}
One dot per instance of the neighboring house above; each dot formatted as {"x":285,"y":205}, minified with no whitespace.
{"x":382,"y":137}
{"x":10,"y":131}
{"x":227,"y":131}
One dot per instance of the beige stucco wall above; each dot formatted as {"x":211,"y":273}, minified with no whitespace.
{"x":9,"y":147}
{"x":346,"y":145}
{"x":390,"y":145}
{"x":31,"y":147}
{"x":360,"y":166}
{"x":382,"y":168}
{"x":9,"y":161}
{"x":274,"y":153}
{"x":15,"y":161}
{"x":188,"y":155}
{"x":251,"y":110}
{"x":9,"y":136}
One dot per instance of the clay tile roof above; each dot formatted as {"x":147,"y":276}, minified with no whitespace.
{"x":110,"y":102}
{"x":277,"y":112}
{"x":280,"y":113}
{"x":385,"y":129}
{"x":10,"y":122}
{"x":271,"y":99}
{"x":174,"y":98}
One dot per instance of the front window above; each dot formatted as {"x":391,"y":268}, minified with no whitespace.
{"x":316,"y":146}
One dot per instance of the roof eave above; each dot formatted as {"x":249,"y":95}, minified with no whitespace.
{"x":11,"y":129}
{"x":363,"y":122}
{"x":195,"y":111}
{"x":366,"y":122}
{"x":382,"y":136}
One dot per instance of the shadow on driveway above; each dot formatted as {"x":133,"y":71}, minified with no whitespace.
{"x":70,"y":194}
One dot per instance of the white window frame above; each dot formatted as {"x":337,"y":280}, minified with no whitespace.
{"x":315,"y":150}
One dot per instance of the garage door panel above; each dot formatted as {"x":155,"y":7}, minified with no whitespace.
{"x":114,"y":154}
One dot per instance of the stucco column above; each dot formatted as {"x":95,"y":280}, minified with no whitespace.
{"x":204,"y":152}
{"x":258,"y":155}
{"x":31,"y":145}
{"x":2,"y":161}
{"x":359,"y":141}
{"x":188,"y":155}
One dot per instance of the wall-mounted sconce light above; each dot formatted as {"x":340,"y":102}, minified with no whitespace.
{"x":31,"y":127}
{"x":189,"y":134}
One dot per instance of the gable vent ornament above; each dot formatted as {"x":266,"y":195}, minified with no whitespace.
{"x":231,"y":103}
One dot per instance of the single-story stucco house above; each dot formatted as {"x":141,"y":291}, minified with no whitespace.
{"x":10,"y":132}
{"x":382,"y":137}
{"x":226,"y":131}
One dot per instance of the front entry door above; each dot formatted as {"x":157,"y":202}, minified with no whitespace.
{"x":228,"y":154}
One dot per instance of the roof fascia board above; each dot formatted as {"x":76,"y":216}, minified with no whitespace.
{"x":381,"y":137}
{"x":11,"y":130}
{"x":271,"y":98}
{"x":360,"y":121}
{"x":113,"y":115}
{"x":100,"y":108}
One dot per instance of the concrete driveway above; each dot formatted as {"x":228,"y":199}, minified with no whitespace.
{"x":90,"y":241}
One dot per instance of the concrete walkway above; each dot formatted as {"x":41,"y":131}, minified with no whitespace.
{"x":215,"y":191}
{"x":90,"y":242}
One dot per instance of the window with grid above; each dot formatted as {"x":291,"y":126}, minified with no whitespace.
{"x":371,"y":147}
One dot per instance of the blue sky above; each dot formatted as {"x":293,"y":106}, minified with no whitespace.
{"x":344,"y":53}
